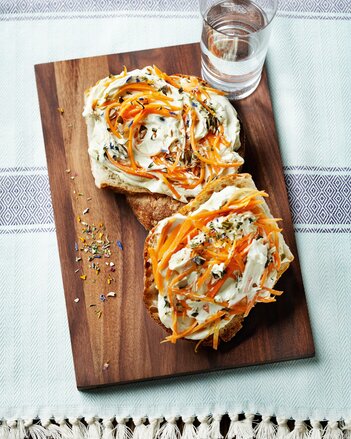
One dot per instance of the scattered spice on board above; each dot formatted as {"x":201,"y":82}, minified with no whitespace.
{"x":106,"y":365}
{"x":111,"y":294}
{"x":73,"y":177}
{"x":60,"y":110}
{"x":96,"y":267}
{"x":98,"y":312}
{"x":95,"y":243}
{"x":68,"y":171}
{"x":76,"y":299}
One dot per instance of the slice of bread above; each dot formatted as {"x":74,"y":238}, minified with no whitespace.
{"x":170,"y":108}
{"x":151,"y":293}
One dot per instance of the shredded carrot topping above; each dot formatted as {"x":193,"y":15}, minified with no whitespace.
{"x":129,"y":170}
{"x":194,"y":283}
{"x":193,"y":162}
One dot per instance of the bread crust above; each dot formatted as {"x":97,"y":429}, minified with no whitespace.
{"x":150,"y":291}
{"x":152,"y":208}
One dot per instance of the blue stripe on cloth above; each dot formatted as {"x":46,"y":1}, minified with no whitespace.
{"x":25,"y":200}
{"x":314,"y":200}
{"x":318,"y":168}
{"x":319,"y":199}
{"x":338,"y":230}
{"x":294,"y":8}
{"x":23,"y":169}
{"x":44,"y":6}
{"x":20,"y":230}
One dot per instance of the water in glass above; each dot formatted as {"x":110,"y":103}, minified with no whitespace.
{"x":234,"y":44}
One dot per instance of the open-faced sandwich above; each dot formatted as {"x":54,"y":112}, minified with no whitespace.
{"x":159,"y":138}
{"x":209,"y":264}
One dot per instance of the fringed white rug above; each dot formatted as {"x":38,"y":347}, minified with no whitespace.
{"x":309,"y":68}
{"x":247,"y":426}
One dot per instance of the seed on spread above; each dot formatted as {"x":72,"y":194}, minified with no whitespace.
{"x":151,"y":122}
{"x":216,"y":262}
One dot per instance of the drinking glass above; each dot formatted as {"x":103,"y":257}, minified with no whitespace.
{"x":234,"y":43}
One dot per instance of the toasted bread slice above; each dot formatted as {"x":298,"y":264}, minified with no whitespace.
{"x":151,"y":134}
{"x":152,"y":245}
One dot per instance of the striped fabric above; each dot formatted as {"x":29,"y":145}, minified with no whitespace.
{"x":309,"y":67}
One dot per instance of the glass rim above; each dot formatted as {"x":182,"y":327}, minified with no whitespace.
{"x":251,"y":33}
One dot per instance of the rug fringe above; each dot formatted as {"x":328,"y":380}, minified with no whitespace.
{"x":265,"y":429}
{"x":140,"y":429}
{"x":122,"y":431}
{"x":169,"y":430}
{"x":215,"y":426}
{"x":189,"y":429}
{"x":215,"y":429}
{"x":79,"y":430}
{"x":346,"y":428}
{"x":282,"y":428}
{"x":316,"y":431}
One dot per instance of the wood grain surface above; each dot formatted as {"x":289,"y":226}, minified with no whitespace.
{"x":116,"y":341}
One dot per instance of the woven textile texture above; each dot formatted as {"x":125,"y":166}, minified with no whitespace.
{"x":309,"y":66}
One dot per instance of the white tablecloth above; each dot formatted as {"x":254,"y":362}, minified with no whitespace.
{"x":309,"y":69}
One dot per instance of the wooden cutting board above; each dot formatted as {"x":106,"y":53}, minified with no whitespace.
{"x":115,"y":341}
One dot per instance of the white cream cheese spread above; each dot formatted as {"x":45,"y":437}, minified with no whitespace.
{"x":166,"y":134}
{"x":222,"y":267}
